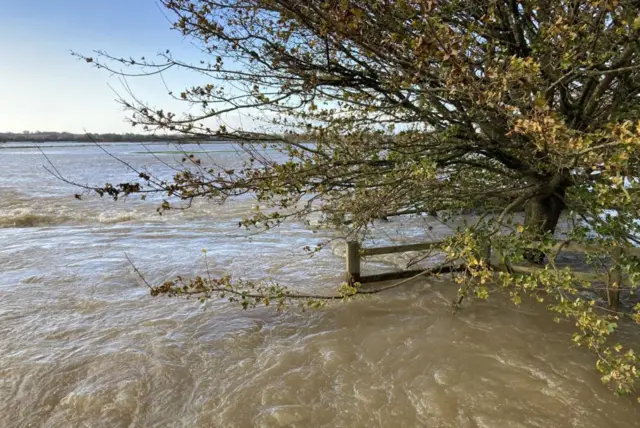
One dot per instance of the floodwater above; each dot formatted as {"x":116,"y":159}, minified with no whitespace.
{"x":84,"y":345}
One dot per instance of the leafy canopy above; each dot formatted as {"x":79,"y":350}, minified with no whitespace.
{"x":386,"y":108}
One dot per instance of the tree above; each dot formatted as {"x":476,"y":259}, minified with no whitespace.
{"x":389,"y":108}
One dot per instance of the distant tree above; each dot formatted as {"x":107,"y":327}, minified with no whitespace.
{"x":422,"y":106}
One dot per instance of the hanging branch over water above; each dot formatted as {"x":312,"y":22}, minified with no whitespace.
{"x":251,"y":294}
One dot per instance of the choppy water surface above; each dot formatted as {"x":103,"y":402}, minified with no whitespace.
{"x":84,"y":345}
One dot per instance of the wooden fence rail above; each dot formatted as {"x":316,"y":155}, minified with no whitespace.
{"x":614,"y":280}
{"x":355,"y":253}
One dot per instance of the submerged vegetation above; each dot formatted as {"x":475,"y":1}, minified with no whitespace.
{"x":415,"y":107}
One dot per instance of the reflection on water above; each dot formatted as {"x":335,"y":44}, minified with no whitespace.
{"x":83,"y":344}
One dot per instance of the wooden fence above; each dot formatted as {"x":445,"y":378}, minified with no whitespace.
{"x":614,"y":279}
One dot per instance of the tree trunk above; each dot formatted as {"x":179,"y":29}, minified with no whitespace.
{"x":541,"y":215}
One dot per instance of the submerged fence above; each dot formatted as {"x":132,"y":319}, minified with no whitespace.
{"x":614,"y":279}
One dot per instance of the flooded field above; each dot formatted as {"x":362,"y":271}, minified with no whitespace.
{"x":84,"y":345}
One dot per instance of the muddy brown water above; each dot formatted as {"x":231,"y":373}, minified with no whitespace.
{"x":84,"y":345}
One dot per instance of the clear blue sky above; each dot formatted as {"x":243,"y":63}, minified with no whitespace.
{"x":42,"y":87}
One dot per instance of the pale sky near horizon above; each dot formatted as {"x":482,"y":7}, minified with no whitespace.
{"x":42,"y":87}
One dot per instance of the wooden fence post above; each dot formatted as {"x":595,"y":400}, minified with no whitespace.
{"x":486,"y":252}
{"x":353,"y":262}
{"x":615,"y":279}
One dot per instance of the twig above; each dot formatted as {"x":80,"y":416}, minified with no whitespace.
{"x":138,"y":272}
{"x":206,"y":263}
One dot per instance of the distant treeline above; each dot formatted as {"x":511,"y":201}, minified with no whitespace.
{"x":7,"y":137}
